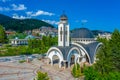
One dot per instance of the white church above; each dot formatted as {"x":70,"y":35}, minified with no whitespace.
{"x":79,"y":47}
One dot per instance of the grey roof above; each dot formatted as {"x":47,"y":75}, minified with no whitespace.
{"x":82,"y":33}
{"x":30,"y":37}
{"x":64,"y":51}
{"x":90,"y":48}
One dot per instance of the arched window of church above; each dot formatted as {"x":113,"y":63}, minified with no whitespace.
{"x":61,"y":34}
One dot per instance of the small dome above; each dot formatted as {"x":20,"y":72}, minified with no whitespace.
{"x":63,"y":17}
{"x":82,"y":33}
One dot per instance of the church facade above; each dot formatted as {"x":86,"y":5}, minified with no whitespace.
{"x":78,"y":47}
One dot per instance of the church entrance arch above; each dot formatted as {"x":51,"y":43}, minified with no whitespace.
{"x":55,"y":59}
{"x":55,"y":56}
{"x":73,"y":56}
{"x":83,"y":51}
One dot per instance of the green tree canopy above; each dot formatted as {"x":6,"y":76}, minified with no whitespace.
{"x":42,"y":46}
{"x":115,"y":48}
{"x":107,"y":66}
{"x":104,"y":64}
{"x":2,"y":35}
{"x":41,"y":76}
{"x":76,"y":71}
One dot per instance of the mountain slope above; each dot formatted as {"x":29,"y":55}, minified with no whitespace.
{"x":21,"y":25}
{"x":4,"y":18}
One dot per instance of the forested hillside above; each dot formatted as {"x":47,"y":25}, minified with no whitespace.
{"x":21,"y":25}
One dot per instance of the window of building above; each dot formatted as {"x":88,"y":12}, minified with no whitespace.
{"x":61,"y":34}
{"x":66,"y":34}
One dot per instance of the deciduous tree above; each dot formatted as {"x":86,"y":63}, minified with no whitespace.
{"x":2,"y":35}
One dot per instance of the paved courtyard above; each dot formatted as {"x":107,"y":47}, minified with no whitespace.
{"x":26,"y":71}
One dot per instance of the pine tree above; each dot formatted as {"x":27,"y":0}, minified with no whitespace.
{"x":115,"y":45}
{"x":104,"y":63}
{"x":107,"y":66}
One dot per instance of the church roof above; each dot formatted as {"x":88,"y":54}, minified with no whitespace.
{"x":82,"y":33}
{"x":64,"y":51}
{"x":90,"y":48}
{"x":63,"y":17}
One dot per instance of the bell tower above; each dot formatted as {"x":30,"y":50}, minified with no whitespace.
{"x":63,"y":31}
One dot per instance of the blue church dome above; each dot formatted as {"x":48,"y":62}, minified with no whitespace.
{"x":82,"y":33}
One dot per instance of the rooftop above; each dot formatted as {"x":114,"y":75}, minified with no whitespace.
{"x":82,"y":33}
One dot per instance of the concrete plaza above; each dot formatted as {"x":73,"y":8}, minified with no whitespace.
{"x":27,"y":71}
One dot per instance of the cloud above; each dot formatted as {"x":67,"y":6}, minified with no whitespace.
{"x":1,"y":8}
{"x":13,"y":7}
{"x":5,"y":0}
{"x":16,"y":16}
{"x":29,"y":13}
{"x":18,"y":7}
{"x":4,"y":8}
{"x":39,"y":12}
{"x":84,"y":21}
{"x":51,"y":22}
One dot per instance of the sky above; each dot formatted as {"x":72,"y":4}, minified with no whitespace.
{"x":94,"y":14}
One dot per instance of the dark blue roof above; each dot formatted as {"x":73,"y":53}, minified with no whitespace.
{"x":63,"y":17}
{"x":64,"y":51}
{"x":82,"y":33}
{"x":90,"y":48}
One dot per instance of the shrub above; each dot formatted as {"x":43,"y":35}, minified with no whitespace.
{"x":113,"y":76}
{"x":91,"y":74}
{"x":41,"y":76}
{"x":22,"y":61}
{"x":7,"y":45}
{"x":76,"y":71}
